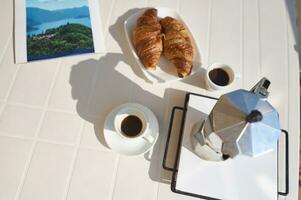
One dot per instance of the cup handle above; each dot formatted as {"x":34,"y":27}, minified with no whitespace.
{"x":149,"y":138}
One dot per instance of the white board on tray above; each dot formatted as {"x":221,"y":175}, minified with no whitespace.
{"x":234,"y":179}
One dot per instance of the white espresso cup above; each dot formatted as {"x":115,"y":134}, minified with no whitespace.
{"x":226,"y":73}
{"x":130,"y":123}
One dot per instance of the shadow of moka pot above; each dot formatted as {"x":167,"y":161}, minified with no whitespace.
{"x":241,"y":122}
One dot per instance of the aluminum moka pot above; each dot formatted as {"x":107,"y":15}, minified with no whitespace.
{"x":241,"y":122}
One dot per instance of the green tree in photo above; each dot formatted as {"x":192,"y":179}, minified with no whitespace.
{"x":66,"y":38}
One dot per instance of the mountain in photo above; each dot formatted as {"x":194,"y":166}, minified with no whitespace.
{"x":36,"y":16}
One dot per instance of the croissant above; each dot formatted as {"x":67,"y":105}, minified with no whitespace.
{"x":147,"y":39}
{"x":177,"y":45}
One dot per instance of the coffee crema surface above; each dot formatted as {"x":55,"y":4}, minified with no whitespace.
{"x":219,"y":77}
{"x":131,"y":126}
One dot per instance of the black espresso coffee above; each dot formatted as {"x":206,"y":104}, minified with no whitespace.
{"x":131,"y":126}
{"x":219,"y":77}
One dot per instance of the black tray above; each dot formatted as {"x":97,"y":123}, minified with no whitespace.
{"x":174,"y":168}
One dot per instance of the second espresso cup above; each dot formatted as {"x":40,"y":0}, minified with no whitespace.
{"x":219,"y":76}
{"x":131,"y":123}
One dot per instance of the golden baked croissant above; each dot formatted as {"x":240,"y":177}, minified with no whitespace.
{"x":147,"y":39}
{"x":177,"y":45}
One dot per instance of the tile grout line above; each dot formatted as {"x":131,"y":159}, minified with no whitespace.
{"x":94,"y":148}
{"x":48,"y":109}
{"x":242,"y":45}
{"x":61,"y":111}
{"x":12,"y":103}
{"x":73,"y":161}
{"x":287,"y":124}
{"x":210,"y":6}
{"x":39,"y":126}
{"x":130,"y":97}
{"x":12,"y":83}
{"x":32,"y":139}
{"x":259,"y":39}
{"x":208,"y":58}
{"x":209,"y":31}
{"x":50,"y":142}
{"x":179,"y":6}
{"x":209,"y":34}
{"x":10,"y":88}
{"x":286,"y":16}
{"x":156,"y":197}
{"x":166,"y":118}
{"x":80,"y":134}
{"x":77,"y":146}
{"x":15,"y":136}
{"x":108,"y":20}
{"x":156,"y":190}
{"x":163,"y":140}
{"x":114,"y":178}
{"x":208,"y":49}
{"x":156,"y":184}
{"x":117,"y":163}
{"x":286,"y":39}
{"x":6,"y":47}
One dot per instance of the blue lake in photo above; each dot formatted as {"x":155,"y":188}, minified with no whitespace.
{"x":54,"y":24}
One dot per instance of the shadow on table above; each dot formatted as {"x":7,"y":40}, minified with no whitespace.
{"x":82,"y":74}
{"x":156,"y":171}
{"x":99,"y":85}
{"x":102,"y":75}
{"x":81,"y":80}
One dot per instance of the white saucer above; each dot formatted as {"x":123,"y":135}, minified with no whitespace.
{"x":130,"y":147}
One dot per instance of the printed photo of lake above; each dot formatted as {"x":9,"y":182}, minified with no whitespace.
{"x":58,"y":28}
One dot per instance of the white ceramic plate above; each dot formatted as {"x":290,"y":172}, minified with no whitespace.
{"x":165,"y":71}
{"x":130,"y":147}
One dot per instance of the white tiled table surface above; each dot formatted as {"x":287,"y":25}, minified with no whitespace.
{"x":52,"y":112}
